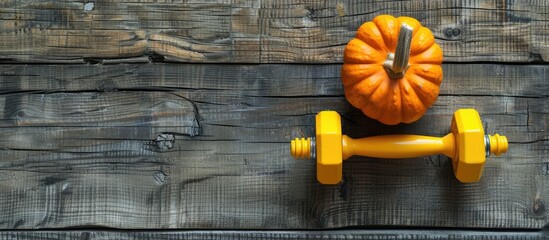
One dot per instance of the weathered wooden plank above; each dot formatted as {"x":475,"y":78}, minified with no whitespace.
{"x":268,"y":31}
{"x":268,"y":80}
{"x":206,"y":146}
{"x":249,"y":235}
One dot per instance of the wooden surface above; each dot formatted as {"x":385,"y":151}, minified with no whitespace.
{"x":122,"y":119}
{"x":267,"y":31}
{"x":207,"y":146}
{"x":254,"y":235}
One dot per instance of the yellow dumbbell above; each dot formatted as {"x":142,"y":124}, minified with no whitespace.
{"x":466,"y":145}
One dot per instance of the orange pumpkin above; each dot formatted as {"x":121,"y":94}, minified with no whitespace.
{"x":372,"y":86}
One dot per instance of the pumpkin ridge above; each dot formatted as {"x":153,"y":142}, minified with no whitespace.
{"x":426,"y":57}
{"x":416,"y":96}
{"x":359,"y":78}
{"x":428,"y":78}
{"x":421,"y":100}
{"x":430,"y":41}
{"x":375,"y":87}
{"x":422,"y":97}
{"x":391,"y":118}
{"x":380,"y":44}
{"x":377,"y":96}
{"x":401,"y":100}
{"x":358,"y":52}
{"x":383,"y":30}
{"x":380,"y":82}
{"x":372,"y":47}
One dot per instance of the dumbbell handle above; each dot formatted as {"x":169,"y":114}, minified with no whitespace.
{"x":398,"y":146}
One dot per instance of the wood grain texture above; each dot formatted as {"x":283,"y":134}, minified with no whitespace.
{"x":252,"y":235}
{"x":267,"y":31}
{"x":206,"y":146}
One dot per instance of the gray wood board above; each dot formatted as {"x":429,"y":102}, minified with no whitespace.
{"x":250,"y":235}
{"x":267,"y":31}
{"x":207,"y":146}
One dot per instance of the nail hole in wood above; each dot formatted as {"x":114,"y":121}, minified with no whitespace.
{"x":89,"y":6}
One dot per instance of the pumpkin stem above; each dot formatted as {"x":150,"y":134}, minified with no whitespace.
{"x":397,"y":63}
